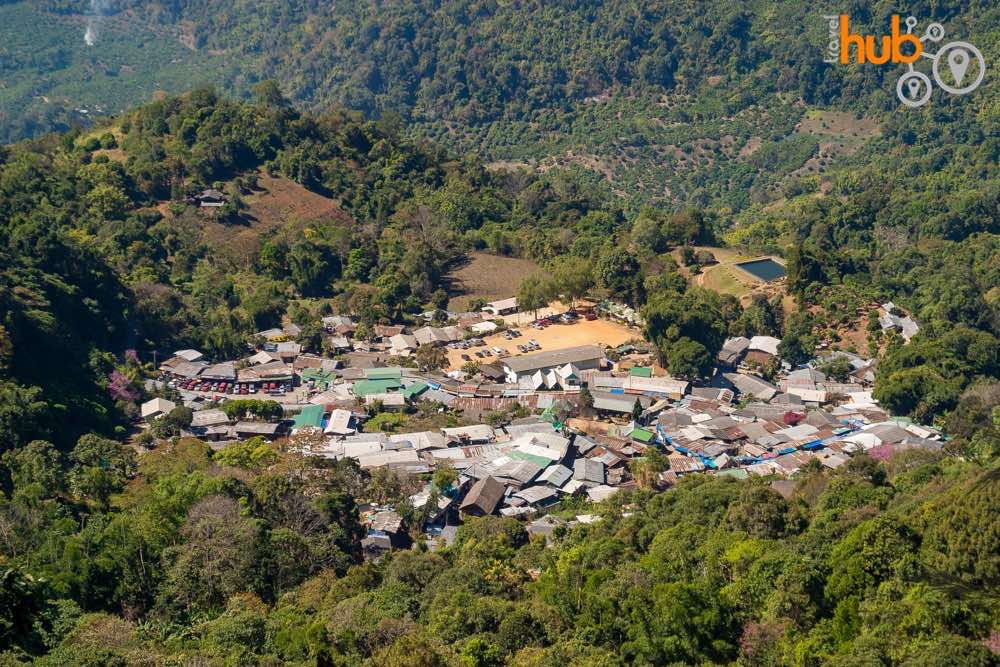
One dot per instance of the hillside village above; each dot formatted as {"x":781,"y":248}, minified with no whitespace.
{"x":526,"y":431}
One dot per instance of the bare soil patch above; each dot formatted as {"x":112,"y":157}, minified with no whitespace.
{"x":486,"y":276}
{"x":555,"y":337}
{"x":279,"y":205}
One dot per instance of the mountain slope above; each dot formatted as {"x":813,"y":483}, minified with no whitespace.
{"x":660,"y":102}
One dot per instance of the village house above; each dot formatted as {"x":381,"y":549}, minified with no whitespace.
{"x":267,"y":430}
{"x":501,"y":307}
{"x":483,"y":498}
{"x":385,"y":532}
{"x":402,"y":345}
{"x":761,"y":350}
{"x":210,"y":198}
{"x":189,"y":355}
{"x":891,"y":319}
{"x":155,"y":408}
{"x":437,"y":335}
{"x":732,"y":351}
{"x":581,"y":358}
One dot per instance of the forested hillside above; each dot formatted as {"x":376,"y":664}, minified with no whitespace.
{"x":163,"y":275}
{"x":228,"y":563}
{"x":677,"y":103}
{"x":601,"y":141}
{"x":107,"y":561}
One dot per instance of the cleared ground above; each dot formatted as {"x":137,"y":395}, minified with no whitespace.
{"x":555,"y":337}
{"x":723,"y":277}
{"x":486,"y":276}
{"x":727,"y":278}
{"x":277,"y":204}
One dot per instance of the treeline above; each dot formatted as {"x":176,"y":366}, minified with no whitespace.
{"x":477,"y":61}
{"x":242,"y":558}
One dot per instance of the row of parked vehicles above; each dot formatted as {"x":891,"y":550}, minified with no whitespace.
{"x":466,"y":344}
{"x":530,"y":346}
{"x":569,"y":317}
{"x":233,"y":388}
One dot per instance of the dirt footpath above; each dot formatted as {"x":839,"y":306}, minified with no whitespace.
{"x":554,"y":337}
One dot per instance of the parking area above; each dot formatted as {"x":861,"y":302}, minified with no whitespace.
{"x":553,"y":337}
{"x":281,"y":392}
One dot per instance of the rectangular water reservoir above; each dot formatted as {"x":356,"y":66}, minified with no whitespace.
{"x":763,"y":269}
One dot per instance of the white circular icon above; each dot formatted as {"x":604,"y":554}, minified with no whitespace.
{"x":958,"y":56}
{"x":908,"y":88}
{"x":934,"y":33}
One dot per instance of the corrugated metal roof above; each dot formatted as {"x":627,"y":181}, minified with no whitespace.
{"x":381,"y":386}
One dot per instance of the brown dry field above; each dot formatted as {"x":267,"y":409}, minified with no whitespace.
{"x":555,"y":337}
{"x":278,"y":204}
{"x":486,"y":276}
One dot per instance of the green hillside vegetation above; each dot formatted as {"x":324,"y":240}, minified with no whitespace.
{"x":107,"y":562}
{"x":245,"y":560}
{"x":693,"y":103}
{"x":645,"y":133}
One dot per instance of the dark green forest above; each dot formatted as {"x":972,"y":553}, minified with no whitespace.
{"x":206,"y":561}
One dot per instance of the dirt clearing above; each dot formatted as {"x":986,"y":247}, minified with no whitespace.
{"x":277,"y":205}
{"x":489,"y":277}
{"x":555,"y":337}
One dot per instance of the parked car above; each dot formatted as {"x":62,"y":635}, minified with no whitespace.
{"x":466,"y":357}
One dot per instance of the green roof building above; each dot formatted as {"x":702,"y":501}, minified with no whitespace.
{"x":366,"y":387}
{"x":319,"y":376}
{"x":414,"y":390}
{"x":311,"y":415}
{"x":642,"y":435}
{"x":539,"y":461}
{"x":641,"y":372}
{"x":384,"y":373}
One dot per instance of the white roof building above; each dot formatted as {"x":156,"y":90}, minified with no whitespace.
{"x":262,"y":358}
{"x":340,"y":423}
{"x":156,"y":407}
{"x":502,"y":306}
{"x":483,"y":327}
{"x":768,"y":344}
{"x":387,"y":400}
{"x":477,"y":433}
{"x":402,"y":344}
{"x":602,"y":492}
